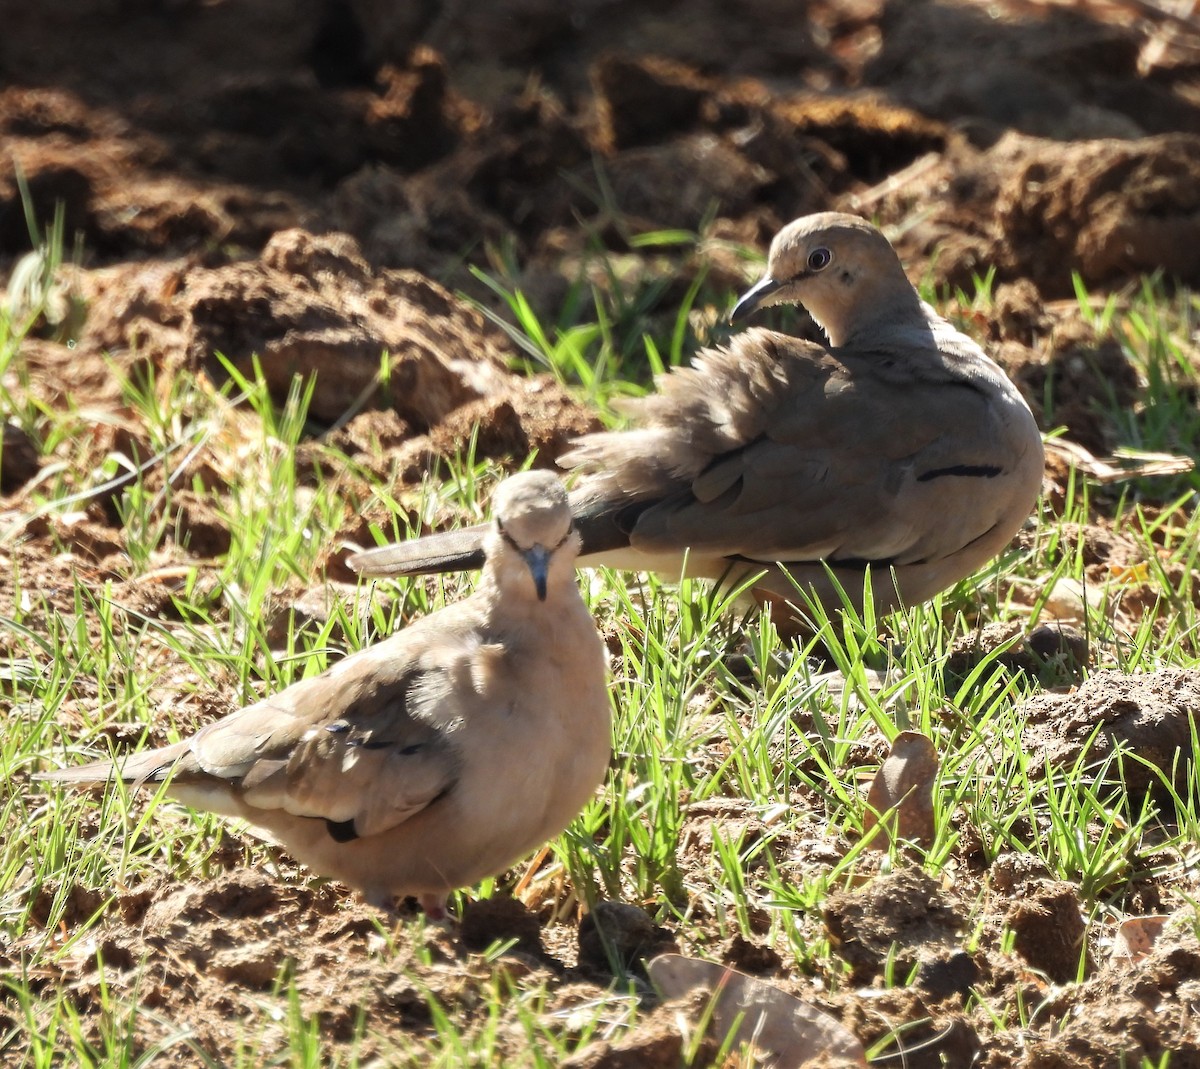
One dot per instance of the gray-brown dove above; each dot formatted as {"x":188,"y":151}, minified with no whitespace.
{"x":440,"y":755}
{"x":900,"y":445}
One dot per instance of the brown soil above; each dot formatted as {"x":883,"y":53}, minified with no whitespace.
{"x":309,"y":183}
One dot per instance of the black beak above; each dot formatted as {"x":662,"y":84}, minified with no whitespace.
{"x":538,"y":559}
{"x":753,"y":297}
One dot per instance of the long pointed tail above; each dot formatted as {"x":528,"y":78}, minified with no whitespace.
{"x":136,"y":769}
{"x":444,"y":551}
{"x":604,"y":526}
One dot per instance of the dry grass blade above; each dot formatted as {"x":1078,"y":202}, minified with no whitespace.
{"x":1127,"y":464}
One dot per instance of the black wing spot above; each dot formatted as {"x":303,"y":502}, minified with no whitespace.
{"x":341,"y":831}
{"x":970,"y":471}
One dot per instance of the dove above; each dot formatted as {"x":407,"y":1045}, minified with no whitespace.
{"x":438,"y":756}
{"x":899,"y":446}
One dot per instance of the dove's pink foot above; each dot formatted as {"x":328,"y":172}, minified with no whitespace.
{"x":434,"y":907}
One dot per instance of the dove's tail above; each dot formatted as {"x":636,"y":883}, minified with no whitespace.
{"x":151,"y":765}
{"x":603,"y":525}
{"x":445,"y":551}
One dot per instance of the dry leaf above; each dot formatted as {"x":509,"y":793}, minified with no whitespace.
{"x":786,"y":1032}
{"x":1069,"y":600}
{"x":902,"y":794}
{"x":1137,"y":935}
{"x":1130,"y":573}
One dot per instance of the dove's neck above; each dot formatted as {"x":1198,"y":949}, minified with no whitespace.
{"x":877,"y":317}
{"x":507,"y":590}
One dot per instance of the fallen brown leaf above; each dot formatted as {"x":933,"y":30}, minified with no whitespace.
{"x":902,"y":794}
{"x":1137,"y":935}
{"x":786,"y":1032}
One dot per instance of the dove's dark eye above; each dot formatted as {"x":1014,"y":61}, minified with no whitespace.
{"x":819,"y":259}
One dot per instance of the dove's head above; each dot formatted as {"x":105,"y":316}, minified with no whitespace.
{"x":533,"y":542}
{"x":843,"y":270}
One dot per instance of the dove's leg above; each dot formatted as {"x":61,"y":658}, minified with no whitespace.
{"x":434,"y":906}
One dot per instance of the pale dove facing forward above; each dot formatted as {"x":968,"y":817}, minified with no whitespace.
{"x":438,"y":756}
{"x":899,"y":446}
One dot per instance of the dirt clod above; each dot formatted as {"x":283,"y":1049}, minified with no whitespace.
{"x":740,"y":953}
{"x":617,"y":936}
{"x":1152,"y":716}
{"x":1048,"y":928}
{"x":657,"y":1042}
{"x":310,"y":307}
{"x":1054,"y":654}
{"x":903,"y":916}
{"x":499,"y":920}
{"x":953,"y":973}
{"x":19,"y":458}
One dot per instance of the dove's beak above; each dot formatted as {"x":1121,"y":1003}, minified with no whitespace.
{"x":538,"y":559}
{"x":754,"y":297}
